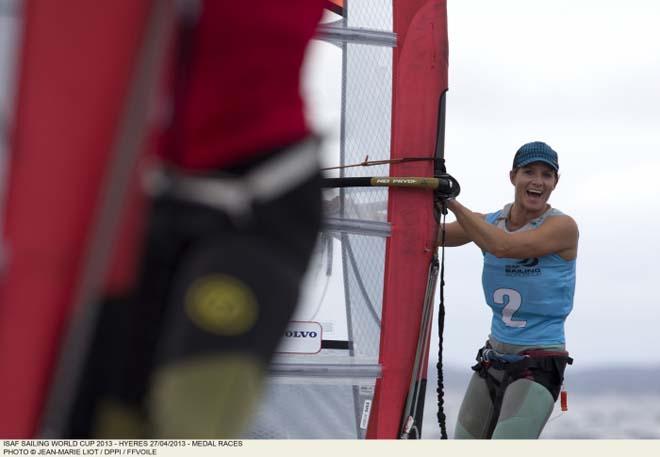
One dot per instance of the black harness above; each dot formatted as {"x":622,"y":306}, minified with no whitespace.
{"x":542,"y":366}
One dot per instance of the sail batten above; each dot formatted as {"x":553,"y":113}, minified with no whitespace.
{"x":354,"y":370}
{"x":357,"y":226}
{"x":339,"y":32}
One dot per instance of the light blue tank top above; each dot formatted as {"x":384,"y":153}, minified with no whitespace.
{"x":530,"y":298}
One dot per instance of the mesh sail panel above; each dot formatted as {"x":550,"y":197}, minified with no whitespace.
{"x":322,"y":381}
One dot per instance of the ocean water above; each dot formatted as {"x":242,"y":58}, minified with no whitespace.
{"x":590,"y":416}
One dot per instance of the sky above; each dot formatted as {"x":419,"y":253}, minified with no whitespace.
{"x":585,"y":78}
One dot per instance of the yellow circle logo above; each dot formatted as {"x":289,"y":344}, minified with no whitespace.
{"x":222,"y":304}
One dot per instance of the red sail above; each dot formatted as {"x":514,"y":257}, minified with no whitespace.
{"x":420,"y":77}
{"x":75,"y":116}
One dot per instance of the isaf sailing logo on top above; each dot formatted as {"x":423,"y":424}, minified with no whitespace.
{"x":524,"y":267}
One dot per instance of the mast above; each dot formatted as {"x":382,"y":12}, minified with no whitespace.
{"x":420,"y":77}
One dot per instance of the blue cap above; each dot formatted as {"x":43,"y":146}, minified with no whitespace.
{"x":536,"y":151}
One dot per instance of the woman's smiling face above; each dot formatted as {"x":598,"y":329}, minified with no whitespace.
{"x":533,"y":183}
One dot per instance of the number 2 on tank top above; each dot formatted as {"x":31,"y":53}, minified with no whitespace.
{"x":511,"y":299}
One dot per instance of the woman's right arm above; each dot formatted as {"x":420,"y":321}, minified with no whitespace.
{"x":455,"y":235}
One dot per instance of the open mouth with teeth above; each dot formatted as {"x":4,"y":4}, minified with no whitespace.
{"x":534,"y":193}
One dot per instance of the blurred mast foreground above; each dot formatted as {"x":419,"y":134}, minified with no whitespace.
{"x":85,"y":74}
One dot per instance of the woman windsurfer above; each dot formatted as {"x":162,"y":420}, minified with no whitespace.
{"x":530,"y":252}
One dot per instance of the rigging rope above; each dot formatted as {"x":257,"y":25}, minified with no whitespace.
{"x":441,"y":201}
{"x":370,"y":163}
{"x":411,"y":421}
{"x":441,"y":326}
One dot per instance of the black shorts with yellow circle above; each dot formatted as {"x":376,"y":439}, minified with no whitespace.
{"x":208,"y":283}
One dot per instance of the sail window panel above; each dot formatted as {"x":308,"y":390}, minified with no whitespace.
{"x":322,"y":301}
{"x":364,"y":264}
{"x":367,"y":110}
{"x":318,"y":412}
{"x":370,"y":14}
{"x":328,"y":394}
{"x":342,"y":298}
{"x":367,"y":124}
